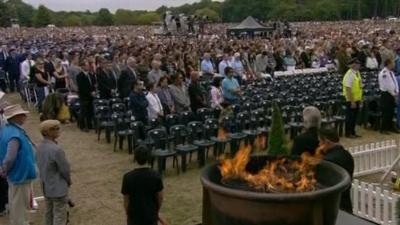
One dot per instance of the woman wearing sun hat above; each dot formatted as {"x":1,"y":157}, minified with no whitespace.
{"x":17,"y":163}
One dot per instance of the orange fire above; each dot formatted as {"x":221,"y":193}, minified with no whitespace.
{"x":281,"y":175}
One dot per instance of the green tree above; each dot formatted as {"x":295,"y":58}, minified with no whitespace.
{"x":124,"y":17}
{"x":212,"y":15}
{"x":42,"y":17}
{"x":104,"y":18}
{"x":21,"y":11}
{"x":148,"y":18}
{"x":277,"y":143}
{"x":73,"y":20}
{"x":88,"y":20}
{"x":162,"y":9}
{"x":4,"y":15}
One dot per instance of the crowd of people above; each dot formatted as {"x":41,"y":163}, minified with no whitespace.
{"x":87,"y":62}
{"x":160,"y":76}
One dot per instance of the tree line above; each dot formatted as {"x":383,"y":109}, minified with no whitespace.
{"x":227,"y":11}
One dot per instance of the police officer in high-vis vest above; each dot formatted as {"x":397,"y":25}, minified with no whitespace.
{"x":389,"y":91}
{"x":353,"y":92}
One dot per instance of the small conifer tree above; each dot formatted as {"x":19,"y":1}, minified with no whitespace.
{"x":277,"y":143}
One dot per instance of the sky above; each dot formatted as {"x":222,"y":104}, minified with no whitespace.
{"x":112,"y":5}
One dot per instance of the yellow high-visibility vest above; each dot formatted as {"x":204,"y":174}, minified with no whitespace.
{"x":356,"y":88}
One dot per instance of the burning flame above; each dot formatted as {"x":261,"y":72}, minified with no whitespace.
{"x":281,"y":175}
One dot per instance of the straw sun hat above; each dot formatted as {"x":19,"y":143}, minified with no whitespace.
{"x":14,"y":110}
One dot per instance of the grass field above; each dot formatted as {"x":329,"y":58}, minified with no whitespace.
{"x":97,"y":174}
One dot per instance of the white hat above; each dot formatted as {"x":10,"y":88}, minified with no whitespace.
{"x":14,"y":110}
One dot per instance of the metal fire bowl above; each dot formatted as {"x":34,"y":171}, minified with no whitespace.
{"x":226,"y":206}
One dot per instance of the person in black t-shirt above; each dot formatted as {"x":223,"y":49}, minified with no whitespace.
{"x":336,"y":154}
{"x":42,"y":81}
{"x":143,"y":191}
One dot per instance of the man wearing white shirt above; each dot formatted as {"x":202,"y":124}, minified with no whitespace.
{"x":154,"y":109}
{"x":207,"y":67}
{"x":223,"y":64}
{"x":237,"y":67}
{"x":389,"y":91}
{"x":24,"y":77}
{"x":25,"y":68}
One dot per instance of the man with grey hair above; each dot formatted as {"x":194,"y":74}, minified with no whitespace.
{"x":156,"y":73}
{"x":127,"y":77}
{"x":308,"y":141}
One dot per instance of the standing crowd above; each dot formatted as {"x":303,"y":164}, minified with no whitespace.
{"x":160,"y":76}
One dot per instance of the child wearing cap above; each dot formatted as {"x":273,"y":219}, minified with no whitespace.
{"x":55,"y":174}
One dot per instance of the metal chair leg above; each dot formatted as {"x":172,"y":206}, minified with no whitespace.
{"x":115,"y":143}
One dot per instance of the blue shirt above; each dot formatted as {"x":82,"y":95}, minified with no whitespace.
{"x":23,"y":169}
{"x":222,"y":65}
{"x":228,"y":85}
{"x":207,"y":66}
{"x":237,"y":67}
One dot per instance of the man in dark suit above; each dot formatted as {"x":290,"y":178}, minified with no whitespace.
{"x":306,"y":57}
{"x":106,"y":79}
{"x":197,"y":98}
{"x":3,"y":56}
{"x":127,"y":77}
{"x":308,"y":141}
{"x":12,"y":68}
{"x":86,"y":91}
